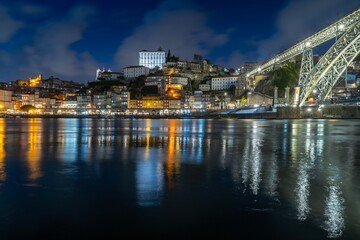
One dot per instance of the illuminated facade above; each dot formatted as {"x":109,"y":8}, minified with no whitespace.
{"x":204,"y":87}
{"x":135,"y":71}
{"x":5,"y":100}
{"x":32,"y":82}
{"x":223,"y":83}
{"x":155,"y":104}
{"x":179,"y":80}
{"x":22,"y":99}
{"x":107,"y":74}
{"x":152,"y":59}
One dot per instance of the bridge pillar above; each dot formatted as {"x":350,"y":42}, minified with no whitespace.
{"x":296,"y":96}
{"x":287,"y":95}
{"x":307,"y":64}
{"x":275,"y":100}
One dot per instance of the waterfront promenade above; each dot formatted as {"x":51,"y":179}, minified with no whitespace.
{"x":324,"y":112}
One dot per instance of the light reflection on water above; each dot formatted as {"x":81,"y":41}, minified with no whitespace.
{"x":34,"y":150}
{"x":2,"y":150}
{"x":334,"y":211}
{"x":308,"y":167}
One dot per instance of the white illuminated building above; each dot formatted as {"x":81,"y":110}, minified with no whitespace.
{"x":135,"y":71}
{"x":152,"y":59}
{"x":107,"y":74}
{"x":224,"y":82}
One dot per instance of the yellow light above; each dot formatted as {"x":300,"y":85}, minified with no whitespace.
{"x":2,"y":149}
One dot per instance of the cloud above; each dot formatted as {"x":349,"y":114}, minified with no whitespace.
{"x":300,"y":19}
{"x":31,"y":9}
{"x":174,"y":25}
{"x":51,"y":51}
{"x":232,"y":61}
{"x":8,"y":25}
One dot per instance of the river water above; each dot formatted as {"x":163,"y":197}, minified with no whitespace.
{"x":179,"y":178}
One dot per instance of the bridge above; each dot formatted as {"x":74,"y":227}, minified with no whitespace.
{"x":326,"y":73}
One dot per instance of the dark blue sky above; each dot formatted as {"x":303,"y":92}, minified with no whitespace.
{"x":71,"y":39}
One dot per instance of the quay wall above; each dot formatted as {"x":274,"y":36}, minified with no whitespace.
{"x":328,"y":111}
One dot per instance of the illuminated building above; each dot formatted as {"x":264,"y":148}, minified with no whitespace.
{"x":135,"y":71}
{"x":173,"y":90}
{"x":107,"y":74}
{"x":179,"y":80}
{"x":155,"y":103}
{"x":152,"y":59}
{"x":102,"y":101}
{"x":5,"y":100}
{"x":111,"y":100}
{"x":83,"y":101}
{"x":224,"y":82}
{"x":70,"y":102}
{"x":21,"y":99}
{"x":32,"y":82}
{"x":35,"y":81}
{"x":204,"y":87}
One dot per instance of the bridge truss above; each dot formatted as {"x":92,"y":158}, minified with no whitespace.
{"x":332,"y":65}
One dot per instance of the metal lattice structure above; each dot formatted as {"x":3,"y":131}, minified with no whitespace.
{"x":307,"y":64}
{"x":330,"y":32}
{"x":333,"y":64}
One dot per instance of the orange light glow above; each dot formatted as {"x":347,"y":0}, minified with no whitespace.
{"x":171,"y":165}
{"x":34,"y":153}
{"x":2,"y":150}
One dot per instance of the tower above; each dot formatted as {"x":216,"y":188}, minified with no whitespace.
{"x":98,"y":73}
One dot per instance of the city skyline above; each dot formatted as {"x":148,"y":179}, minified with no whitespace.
{"x":71,"y":40}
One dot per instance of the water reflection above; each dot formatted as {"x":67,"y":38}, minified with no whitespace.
{"x":252,"y":161}
{"x":149,"y":177}
{"x":309,"y":167}
{"x":302,"y":189}
{"x":172,"y":163}
{"x":149,"y":182}
{"x":303,"y":192}
{"x":2,"y":149}
{"x":34,"y":149}
{"x":334,"y":211}
{"x":312,"y":154}
{"x":70,"y":140}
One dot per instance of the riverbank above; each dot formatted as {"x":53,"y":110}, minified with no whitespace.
{"x":323,"y":112}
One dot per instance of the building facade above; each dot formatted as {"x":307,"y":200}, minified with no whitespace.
{"x":152,"y":59}
{"x":224,"y":82}
{"x":5,"y":99}
{"x":107,"y":74}
{"x":135,"y":71}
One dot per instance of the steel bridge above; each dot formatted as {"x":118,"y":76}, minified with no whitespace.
{"x":326,"y":73}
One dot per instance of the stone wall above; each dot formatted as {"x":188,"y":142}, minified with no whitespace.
{"x":328,"y":111}
{"x":258,"y":99}
{"x":341,"y":111}
{"x":288,"y":112}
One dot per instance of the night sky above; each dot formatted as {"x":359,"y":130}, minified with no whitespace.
{"x":71,"y":39}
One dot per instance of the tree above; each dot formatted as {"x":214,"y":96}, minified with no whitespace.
{"x":27,"y":108}
{"x":286,"y":76}
{"x":243,"y":100}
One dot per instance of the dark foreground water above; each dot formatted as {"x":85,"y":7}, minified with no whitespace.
{"x":186,"y":179}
